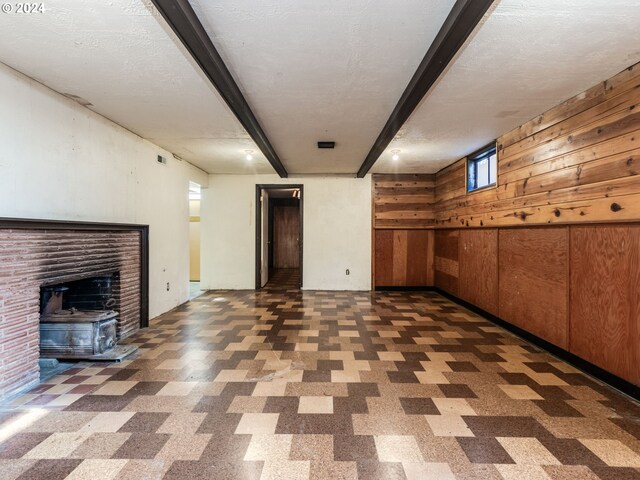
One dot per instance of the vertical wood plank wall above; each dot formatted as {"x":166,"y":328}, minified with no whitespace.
{"x":553,"y":248}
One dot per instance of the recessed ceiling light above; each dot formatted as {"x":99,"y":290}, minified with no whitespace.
{"x":395,"y":157}
{"x":249,"y":156}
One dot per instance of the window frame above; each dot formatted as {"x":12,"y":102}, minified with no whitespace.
{"x":478,"y":155}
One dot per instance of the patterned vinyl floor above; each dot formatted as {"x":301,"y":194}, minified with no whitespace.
{"x":281,"y":384}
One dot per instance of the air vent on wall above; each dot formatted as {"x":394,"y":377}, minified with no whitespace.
{"x":326,"y":144}
{"x":162,"y":160}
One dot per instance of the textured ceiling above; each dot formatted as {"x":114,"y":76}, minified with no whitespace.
{"x":329,"y":70}
{"x":324,"y":70}
{"x":124,"y":60}
{"x":525,"y":58}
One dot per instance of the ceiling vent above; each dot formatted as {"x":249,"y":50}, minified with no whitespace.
{"x":326,"y":144}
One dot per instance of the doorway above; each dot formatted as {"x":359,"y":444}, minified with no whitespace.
{"x":194,"y":239}
{"x":279,"y":217}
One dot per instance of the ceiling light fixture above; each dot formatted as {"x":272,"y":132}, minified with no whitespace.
{"x":249,"y":156}
{"x":396,"y":155}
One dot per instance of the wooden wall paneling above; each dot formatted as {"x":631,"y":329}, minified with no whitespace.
{"x":534,"y":281}
{"x":383,"y":257}
{"x":403,"y":258}
{"x":478,"y":260}
{"x":286,"y":222}
{"x":446,"y":260}
{"x":575,"y":163}
{"x":419,"y":262}
{"x":403,"y":201}
{"x":605,"y":298}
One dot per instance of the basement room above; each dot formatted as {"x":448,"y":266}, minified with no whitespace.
{"x":294,"y":240}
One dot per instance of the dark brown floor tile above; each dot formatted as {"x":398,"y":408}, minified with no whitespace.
{"x":484,"y":450}
{"x":569,"y":451}
{"x":462,"y":367}
{"x":347,"y":448}
{"x":615,"y":473}
{"x":363,"y":390}
{"x":630,"y":425}
{"x":316,"y":376}
{"x":144,"y":422}
{"x":402,"y":377}
{"x":557,"y":408}
{"x":419,"y":406}
{"x":99,"y":403}
{"x":494,"y":426}
{"x":348,"y":405}
{"x":21,"y":443}
{"x":373,"y":470}
{"x":50,"y":469}
{"x":281,"y":405}
{"x":315,"y":424}
{"x":186,"y":470}
{"x":220,"y":423}
{"x":142,"y":445}
{"x":456,"y":390}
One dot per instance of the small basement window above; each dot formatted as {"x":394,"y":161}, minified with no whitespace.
{"x":482,"y":168}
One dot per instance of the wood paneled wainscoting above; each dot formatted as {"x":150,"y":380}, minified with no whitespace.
{"x":576,"y":287}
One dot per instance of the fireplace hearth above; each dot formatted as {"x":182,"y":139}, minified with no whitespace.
{"x":77,"y":321}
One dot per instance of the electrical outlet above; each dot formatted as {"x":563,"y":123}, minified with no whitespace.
{"x":168,"y":286}
{"x":347,"y":272}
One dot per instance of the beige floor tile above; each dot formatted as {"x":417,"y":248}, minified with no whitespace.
{"x":114,"y":388}
{"x":432,"y":378}
{"x":345,"y":376}
{"x":523,"y":472}
{"x":257,"y":423}
{"x":275,"y":388}
{"x":231,"y":376}
{"x":520,"y":392}
{"x":448,"y":426}
{"x":315,"y":405}
{"x":57,"y":445}
{"x":454,"y":406}
{"x":290,"y":470}
{"x":92,"y":469}
{"x":106,"y":422}
{"x":397,"y":448}
{"x":264,"y":447}
{"x":613,"y":452}
{"x":177,"y":388}
{"x":425,"y":471}
{"x":527,"y":451}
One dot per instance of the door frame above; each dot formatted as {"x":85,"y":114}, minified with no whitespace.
{"x":258,"y":222}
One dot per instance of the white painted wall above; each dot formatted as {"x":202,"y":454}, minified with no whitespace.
{"x":337,"y":231}
{"x":59,"y":160}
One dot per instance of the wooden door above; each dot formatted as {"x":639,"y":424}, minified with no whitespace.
{"x":286,"y":238}
{"x":478,"y":263}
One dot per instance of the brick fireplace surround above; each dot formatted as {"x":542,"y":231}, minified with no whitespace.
{"x":35,"y":253}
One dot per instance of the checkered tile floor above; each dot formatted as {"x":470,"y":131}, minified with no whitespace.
{"x":282,"y":384}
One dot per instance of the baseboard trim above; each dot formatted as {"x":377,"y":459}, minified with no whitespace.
{"x":589,"y":368}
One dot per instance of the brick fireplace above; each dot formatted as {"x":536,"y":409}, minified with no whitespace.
{"x":36,"y":254}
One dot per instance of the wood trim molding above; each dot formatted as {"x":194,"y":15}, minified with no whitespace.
{"x":37,"y":224}
{"x":185,"y":23}
{"x":462,"y":20}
